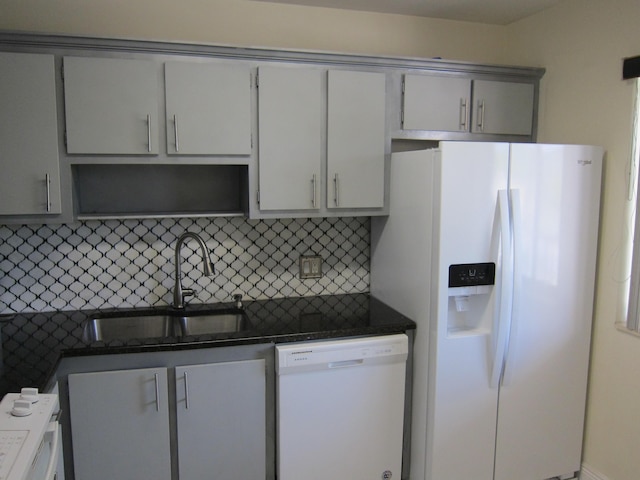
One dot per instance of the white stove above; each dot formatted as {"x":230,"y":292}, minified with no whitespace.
{"x":30,"y":443}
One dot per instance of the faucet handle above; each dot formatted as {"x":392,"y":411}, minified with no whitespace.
{"x":187,"y":292}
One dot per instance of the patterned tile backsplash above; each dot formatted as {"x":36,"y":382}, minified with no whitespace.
{"x":130,"y":263}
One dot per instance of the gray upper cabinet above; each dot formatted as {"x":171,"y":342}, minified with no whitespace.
{"x":208,"y":109}
{"x":503,"y":107}
{"x":432,"y":102}
{"x":290,"y":138}
{"x":264,"y":133}
{"x":30,"y":181}
{"x":322,"y":140}
{"x":356,"y":139}
{"x":463,"y":105}
{"x":111,"y":106}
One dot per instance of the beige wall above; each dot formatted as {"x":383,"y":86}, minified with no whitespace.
{"x":583,"y":100}
{"x":249,"y":23}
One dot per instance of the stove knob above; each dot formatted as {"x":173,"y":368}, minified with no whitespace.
{"x":30,"y":394}
{"x":21,"y":408}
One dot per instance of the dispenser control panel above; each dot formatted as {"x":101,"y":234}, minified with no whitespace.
{"x":472,"y":274}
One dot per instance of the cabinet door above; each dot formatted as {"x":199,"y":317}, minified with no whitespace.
{"x":436,"y":103}
{"x":502,"y":107}
{"x":30,"y":181}
{"x":120,"y":425}
{"x":208,"y":109}
{"x":355,"y":139}
{"x":221,"y":419}
{"x":111,"y":106}
{"x":290,"y":143}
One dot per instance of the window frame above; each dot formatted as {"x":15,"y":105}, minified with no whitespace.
{"x":633,"y":303}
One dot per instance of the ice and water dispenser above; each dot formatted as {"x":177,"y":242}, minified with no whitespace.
{"x":470,"y":288}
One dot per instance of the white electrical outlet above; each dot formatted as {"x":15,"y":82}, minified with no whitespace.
{"x":310,"y":266}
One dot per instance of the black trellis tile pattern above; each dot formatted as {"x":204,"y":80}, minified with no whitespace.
{"x":130,"y":263}
{"x":31,"y":347}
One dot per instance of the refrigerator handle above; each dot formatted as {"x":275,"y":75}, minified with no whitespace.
{"x":516,"y":221}
{"x":503,"y":319}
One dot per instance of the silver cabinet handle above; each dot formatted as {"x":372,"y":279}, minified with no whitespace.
{"x":155,"y":375}
{"x":186,"y":390}
{"x":149,"y":133}
{"x":481,"y":115}
{"x":47,"y":181}
{"x":463,"y":114}
{"x":175,"y":132}
{"x":313,"y":191}
{"x":336,"y":188}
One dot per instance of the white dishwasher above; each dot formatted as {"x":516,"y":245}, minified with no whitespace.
{"x":340,"y":408}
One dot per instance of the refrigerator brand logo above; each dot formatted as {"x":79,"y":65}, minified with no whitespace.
{"x":386,"y":475}
{"x":584,"y":162}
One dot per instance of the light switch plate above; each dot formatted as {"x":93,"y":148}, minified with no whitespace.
{"x":310,"y":266}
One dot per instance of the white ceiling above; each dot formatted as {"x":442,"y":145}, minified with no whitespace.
{"x":498,"y":12}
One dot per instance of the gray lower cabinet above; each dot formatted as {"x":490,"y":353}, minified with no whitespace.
{"x":30,"y":180}
{"x":121,"y":422}
{"x":221,"y":420}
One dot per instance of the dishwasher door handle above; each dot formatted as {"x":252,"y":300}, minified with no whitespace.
{"x":346,"y":363}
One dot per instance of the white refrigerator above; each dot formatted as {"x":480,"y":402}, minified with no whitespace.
{"x":491,"y":249}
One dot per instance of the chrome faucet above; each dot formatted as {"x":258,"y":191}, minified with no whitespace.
{"x":180,"y":293}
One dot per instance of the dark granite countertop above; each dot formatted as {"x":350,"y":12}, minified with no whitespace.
{"x":34,"y":343}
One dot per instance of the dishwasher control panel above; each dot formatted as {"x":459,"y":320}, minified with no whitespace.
{"x":337,"y":353}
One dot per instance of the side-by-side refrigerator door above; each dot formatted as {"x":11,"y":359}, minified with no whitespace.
{"x":468,"y":229}
{"x":555,"y":192}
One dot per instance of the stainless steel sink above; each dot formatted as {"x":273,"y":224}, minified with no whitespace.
{"x":213,"y":323}
{"x":158,"y":325}
{"x":125,"y":328}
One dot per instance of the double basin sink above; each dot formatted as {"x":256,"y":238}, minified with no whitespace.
{"x":172,"y":323}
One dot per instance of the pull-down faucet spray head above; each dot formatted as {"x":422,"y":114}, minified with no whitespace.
{"x":179,"y":293}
